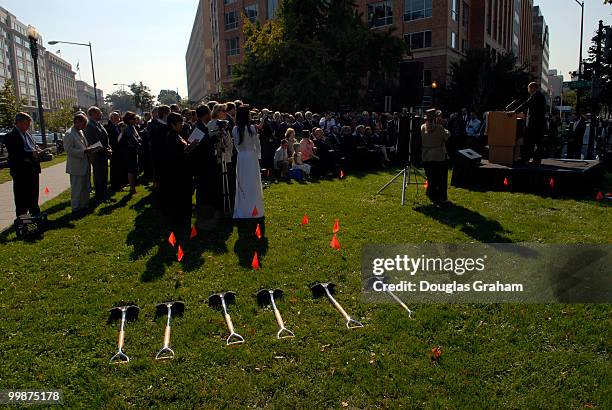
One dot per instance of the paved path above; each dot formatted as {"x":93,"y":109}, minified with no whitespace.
{"x":53,"y":177}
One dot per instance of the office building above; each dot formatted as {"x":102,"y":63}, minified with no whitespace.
{"x":540,"y":50}
{"x":85,"y":95}
{"x":437,"y":33}
{"x":61,"y":81}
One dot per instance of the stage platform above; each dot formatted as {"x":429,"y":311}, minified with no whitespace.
{"x":566,"y":177}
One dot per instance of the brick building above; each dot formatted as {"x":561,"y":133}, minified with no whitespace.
{"x":437,"y":33}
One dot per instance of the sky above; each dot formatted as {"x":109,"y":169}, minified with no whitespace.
{"x":146,"y":40}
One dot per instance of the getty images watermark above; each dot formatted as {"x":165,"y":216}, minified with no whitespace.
{"x":488,"y":273}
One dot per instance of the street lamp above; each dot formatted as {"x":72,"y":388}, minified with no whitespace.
{"x":122,"y":85}
{"x":93,"y":73}
{"x":579,"y":92}
{"x":33,"y":35}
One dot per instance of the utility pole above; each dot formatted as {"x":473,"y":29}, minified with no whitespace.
{"x":595,"y":91}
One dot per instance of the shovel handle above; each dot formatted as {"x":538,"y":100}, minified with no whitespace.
{"x":121,"y":339}
{"x":167,"y":336}
{"x":279,"y":319}
{"x":228,"y":322}
{"x":339,"y":308}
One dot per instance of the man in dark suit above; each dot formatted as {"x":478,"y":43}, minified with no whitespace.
{"x":576,"y":136}
{"x":95,"y":133}
{"x":536,"y":123}
{"x":24,"y":163}
{"x":118,"y":172}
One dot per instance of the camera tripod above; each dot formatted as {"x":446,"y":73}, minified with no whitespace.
{"x":407,"y":173}
{"x":409,"y":170}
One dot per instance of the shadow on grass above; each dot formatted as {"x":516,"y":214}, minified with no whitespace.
{"x":469,"y":222}
{"x":152,"y":229}
{"x":248,"y":243}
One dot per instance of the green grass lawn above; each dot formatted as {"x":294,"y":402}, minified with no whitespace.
{"x":5,"y":175}
{"x":55,"y":294}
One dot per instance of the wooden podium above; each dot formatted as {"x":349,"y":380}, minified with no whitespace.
{"x":505,"y":133}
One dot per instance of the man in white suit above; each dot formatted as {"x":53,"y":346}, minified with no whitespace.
{"x":78,"y":163}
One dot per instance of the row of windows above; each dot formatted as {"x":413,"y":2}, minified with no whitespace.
{"x":231,"y":17}
{"x":381,"y":13}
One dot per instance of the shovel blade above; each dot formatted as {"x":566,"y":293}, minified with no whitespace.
{"x":263,"y":297}
{"x":214,"y":301}
{"x":318,"y":289}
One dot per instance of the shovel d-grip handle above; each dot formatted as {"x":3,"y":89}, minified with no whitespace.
{"x":233,"y":338}
{"x":350,"y":322}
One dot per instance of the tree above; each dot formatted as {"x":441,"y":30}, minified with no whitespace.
{"x":168,"y":97}
{"x":143,"y":99}
{"x":61,"y":119}
{"x":318,"y":54}
{"x":10,"y":105}
{"x":482,"y":83}
{"x":121,"y":101}
{"x":598,"y":69}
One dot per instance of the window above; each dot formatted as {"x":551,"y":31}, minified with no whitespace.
{"x":251,"y":12}
{"x":272,"y":6}
{"x":419,"y":40}
{"x":466,"y":15}
{"x":380,"y":13}
{"x":453,"y":40}
{"x":464,"y":46}
{"x":231,"y":20}
{"x":416,"y":9}
{"x":233,"y":46}
{"x":230,"y":70}
{"x":454,"y":13}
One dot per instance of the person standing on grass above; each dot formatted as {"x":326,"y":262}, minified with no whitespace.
{"x":24,"y":164}
{"x":130,"y":143}
{"x":249,"y":192}
{"x":434,"y":137}
{"x":94,"y":133}
{"x":77,"y":164}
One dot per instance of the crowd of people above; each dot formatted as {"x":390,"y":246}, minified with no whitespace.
{"x":221,"y":150}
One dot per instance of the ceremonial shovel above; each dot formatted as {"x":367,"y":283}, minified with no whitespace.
{"x":220,"y":301}
{"x":321,"y":289}
{"x":176,"y":307}
{"x":388,"y":292}
{"x":123,"y":313}
{"x":265,"y":297}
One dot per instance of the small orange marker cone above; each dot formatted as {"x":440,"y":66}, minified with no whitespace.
{"x":552,"y":182}
{"x":180,"y":254}
{"x":255,"y":262}
{"x":47,"y":190}
{"x":506,"y":182}
{"x":305,"y":220}
{"x":337,"y":226}
{"x":194,"y":232}
{"x":334,"y":243}
{"x":172,"y":239}
{"x":255,"y":211}
{"x":258,"y":232}
{"x":599,"y":196}
{"x":342,"y":174}
{"x":426,"y":184}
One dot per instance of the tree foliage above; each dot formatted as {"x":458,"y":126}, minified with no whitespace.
{"x":599,"y":70}
{"x":143,"y":99}
{"x":168,"y":97}
{"x":318,"y":54}
{"x":10,"y":105}
{"x":61,"y":119}
{"x":481,"y":83}
{"x":121,"y":100}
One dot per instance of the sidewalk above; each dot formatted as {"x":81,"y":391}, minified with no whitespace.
{"x":54,"y":177}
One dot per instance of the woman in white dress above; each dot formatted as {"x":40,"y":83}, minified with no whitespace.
{"x":249,"y":192}
{"x":298,"y":163}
